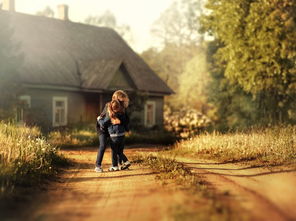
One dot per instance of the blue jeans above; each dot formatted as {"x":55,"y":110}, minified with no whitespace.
{"x":117,"y":145}
{"x":102,"y":147}
{"x":121,"y":155}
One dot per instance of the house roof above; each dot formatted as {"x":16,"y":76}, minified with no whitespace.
{"x":65,"y":53}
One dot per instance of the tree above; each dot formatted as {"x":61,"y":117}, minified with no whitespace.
{"x":257,"y":50}
{"x":47,"y":12}
{"x":169,"y":64}
{"x":194,"y":81}
{"x":179,"y":24}
{"x":107,"y":19}
{"x":10,"y":62}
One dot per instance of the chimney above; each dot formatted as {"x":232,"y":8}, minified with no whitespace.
{"x":63,"y":12}
{"x":8,"y":5}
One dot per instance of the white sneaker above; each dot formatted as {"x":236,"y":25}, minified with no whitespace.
{"x":113,"y":168}
{"x":125,"y":165}
{"x":99,"y":169}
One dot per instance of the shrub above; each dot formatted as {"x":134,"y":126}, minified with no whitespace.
{"x":185,"y":123}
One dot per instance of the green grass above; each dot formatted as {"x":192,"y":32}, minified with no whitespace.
{"x":267,"y":146}
{"x":201,"y":203}
{"x":86,"y":137}
{"x":25,"y":158}
{"x":73,"y":138}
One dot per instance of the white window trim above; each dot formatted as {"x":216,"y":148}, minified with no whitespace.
{"x":54,"y":99}
{"x":27,"y":98}
{"x":153,"y":103}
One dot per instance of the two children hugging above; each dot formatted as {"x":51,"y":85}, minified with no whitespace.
{"x":113,"y":122}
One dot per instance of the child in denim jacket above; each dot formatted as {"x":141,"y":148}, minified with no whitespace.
{"x":103,"y":135}
{"x":116,"y":123}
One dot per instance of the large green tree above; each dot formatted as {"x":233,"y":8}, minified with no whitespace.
{"x":10,"y":62}
{"x":257,"y":50}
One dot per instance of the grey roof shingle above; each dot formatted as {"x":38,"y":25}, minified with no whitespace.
{"x":65,"y":53}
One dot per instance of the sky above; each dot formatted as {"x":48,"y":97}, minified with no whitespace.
{"x":138,"y":14}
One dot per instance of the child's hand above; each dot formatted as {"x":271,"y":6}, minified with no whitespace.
{"x":115,"y":121}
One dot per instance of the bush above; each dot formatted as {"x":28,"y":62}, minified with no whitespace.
{"x":185,"y":123}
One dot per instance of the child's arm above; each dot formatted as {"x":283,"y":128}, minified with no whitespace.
{"x":104,"y":112}
{"x":124,"y":120}
{"x":106,"y":121}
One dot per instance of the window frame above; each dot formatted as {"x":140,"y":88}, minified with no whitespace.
{"x":20,"y":112}
{"x":153,"y":103}
{"x":54,"y":108}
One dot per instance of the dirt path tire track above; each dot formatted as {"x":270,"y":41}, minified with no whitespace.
{"x":264,"y":194}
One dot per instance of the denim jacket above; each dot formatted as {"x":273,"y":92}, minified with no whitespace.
{"x":114,"y":130}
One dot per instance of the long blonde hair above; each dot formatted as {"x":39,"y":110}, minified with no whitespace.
{"x":122,"y":96}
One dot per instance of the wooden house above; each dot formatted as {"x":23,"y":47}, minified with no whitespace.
{"x":70,"y":71}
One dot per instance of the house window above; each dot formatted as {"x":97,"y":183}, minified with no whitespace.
{"x":24,"y":104}
{"x":149,"y":118}
{"x":60,"y":111}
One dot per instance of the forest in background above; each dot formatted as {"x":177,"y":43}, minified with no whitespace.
{"x":233,"y":61}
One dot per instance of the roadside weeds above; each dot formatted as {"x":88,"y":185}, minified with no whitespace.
{"x":202,"y":202}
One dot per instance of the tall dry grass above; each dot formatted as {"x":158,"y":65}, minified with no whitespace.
{"x":25,"y":157}
{"x":272,"y":146}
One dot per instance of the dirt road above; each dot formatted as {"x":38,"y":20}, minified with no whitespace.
{"x":81,"y":194}
{"x":265,"y":194}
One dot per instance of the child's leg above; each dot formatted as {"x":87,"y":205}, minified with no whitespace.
{"x":122,"y":157}
{"x":102,"y":148}
{"x":114,"y":147}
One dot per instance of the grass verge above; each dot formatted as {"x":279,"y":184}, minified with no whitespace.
{"x":86,"y":137}
{"x":26,"y":159}
{"x":267,"y":146}
{"x":202,"y":202}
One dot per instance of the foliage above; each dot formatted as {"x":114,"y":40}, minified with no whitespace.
{"x":73,"y":137}
{"x":185,"y":122}
{"x":47,"y":12}
{"x":87,"y":137}
{"x":107,"y":19}
{"x":187,"y":72}
{"x":193,"y":83}
{"x":10,"y":62}
{"x":269,"y":146}
{"x":168,"y":66}
{"x":25,"y":157}
{"x":179,"y":23}
{"x":233,"y":108}
{"x":257,"y":50}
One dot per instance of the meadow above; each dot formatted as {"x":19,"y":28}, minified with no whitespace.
{"x":26,"y":158}
{"x":265,"y":146}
